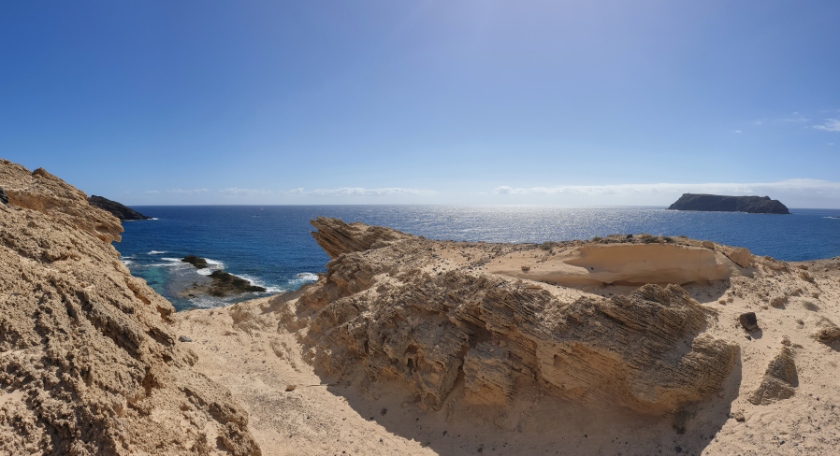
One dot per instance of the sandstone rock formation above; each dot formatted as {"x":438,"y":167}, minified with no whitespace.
{"x":88,"y":362}
{"x":380,"y":313}
{"x":780,"y":379}
{"x":45,"y":193}
{"x":116,"y":209}
{"x":750,"y":204}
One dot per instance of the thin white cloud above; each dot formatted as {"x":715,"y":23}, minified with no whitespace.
{"x":792,"y":185}
{"x":832,"y":125}
{"x":738,"y":131}
{"x":182,"y":191}
{"x":236,"y":191}
{"x":152,"y":192}
{"x":361,"y":191}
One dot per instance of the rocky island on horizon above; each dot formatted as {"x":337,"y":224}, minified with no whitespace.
{"x":725,"y":203}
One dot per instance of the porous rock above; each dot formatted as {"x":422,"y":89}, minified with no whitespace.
{"x":740,"y":256}
{"x":779,"y":381}
{"x":88,"y":363}
{"x":641,"y":350}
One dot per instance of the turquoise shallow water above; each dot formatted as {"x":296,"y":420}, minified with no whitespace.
{"x":271,"y":245}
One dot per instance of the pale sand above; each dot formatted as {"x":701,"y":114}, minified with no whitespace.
{"x":245,"y":348}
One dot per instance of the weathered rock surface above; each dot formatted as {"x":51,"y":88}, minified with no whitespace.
{"x":748,"y":321}
{"x":750,"y":204}
{"x":45,"y":193}
{"x":780,"y":379}
{"x":116,"y":209}
{"x":88,"y":362}
{"x":378,"y":314}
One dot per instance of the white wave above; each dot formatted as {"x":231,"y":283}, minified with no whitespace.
{"x":172,"y":260}
{"x":126,"y":262}
{"x":153,"y":218}
{"x":307,"y":277}
{"x":214,"y":264}
{"x":259,"y":283}
{"x":204,"y":271}
{"x":157,"y":252}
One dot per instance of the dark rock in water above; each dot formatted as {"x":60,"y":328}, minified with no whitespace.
{"x":118,"y":210}
{"x":3,"y":198}
{"x":220,"y":284}
{"x":749,"y":321}
{"x":225,"y":284}
{"x":750,"y":204}
{"x":198,"y":262}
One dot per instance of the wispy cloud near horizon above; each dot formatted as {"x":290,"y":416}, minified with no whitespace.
{"x":832,"y":125}
{"x":711,"y":187}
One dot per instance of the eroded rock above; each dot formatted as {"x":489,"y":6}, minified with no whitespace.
{"x":88,"y":362}
{"x":376,"y":314}
{"x":780,"y":379}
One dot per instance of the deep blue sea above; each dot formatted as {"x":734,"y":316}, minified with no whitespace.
{"x":271,"y":245}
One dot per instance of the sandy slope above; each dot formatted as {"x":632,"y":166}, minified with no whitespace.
{"x":257,"y":350}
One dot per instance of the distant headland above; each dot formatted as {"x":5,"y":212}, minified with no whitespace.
{"x":118,"y":210}
{"x":750,"y":204}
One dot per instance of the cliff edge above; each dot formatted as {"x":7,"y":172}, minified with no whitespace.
{"x":89,"y":363}
{"x":116,"y":209}
{"x":749,"y":204}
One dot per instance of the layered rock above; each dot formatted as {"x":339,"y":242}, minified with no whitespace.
{"x":384,"y":310}
{"x":116,"y":209}
{"x":88,"y":362}
{"x":750,"y":204}
{"x":42,"y":192}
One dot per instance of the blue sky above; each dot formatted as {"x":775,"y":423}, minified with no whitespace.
{"x":569,"y":103}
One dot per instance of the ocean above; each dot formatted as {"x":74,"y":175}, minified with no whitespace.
{"x":271,"y":245}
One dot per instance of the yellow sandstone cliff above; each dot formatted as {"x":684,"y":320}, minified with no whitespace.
{"x":89,"y":363}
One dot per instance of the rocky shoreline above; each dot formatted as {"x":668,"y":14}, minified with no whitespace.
{"x":626,"y":344}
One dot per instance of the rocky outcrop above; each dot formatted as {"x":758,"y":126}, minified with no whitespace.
{"x":354,"y":237}
{"x":116,"y":209}
{"x":388,"y":312}
{"x":88,"y":362}
{"x":750,"y":204}
{"x":779,"y":381}
{"x":42,"y":192}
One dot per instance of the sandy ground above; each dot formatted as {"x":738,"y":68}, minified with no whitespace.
{"x":294,"y":411}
